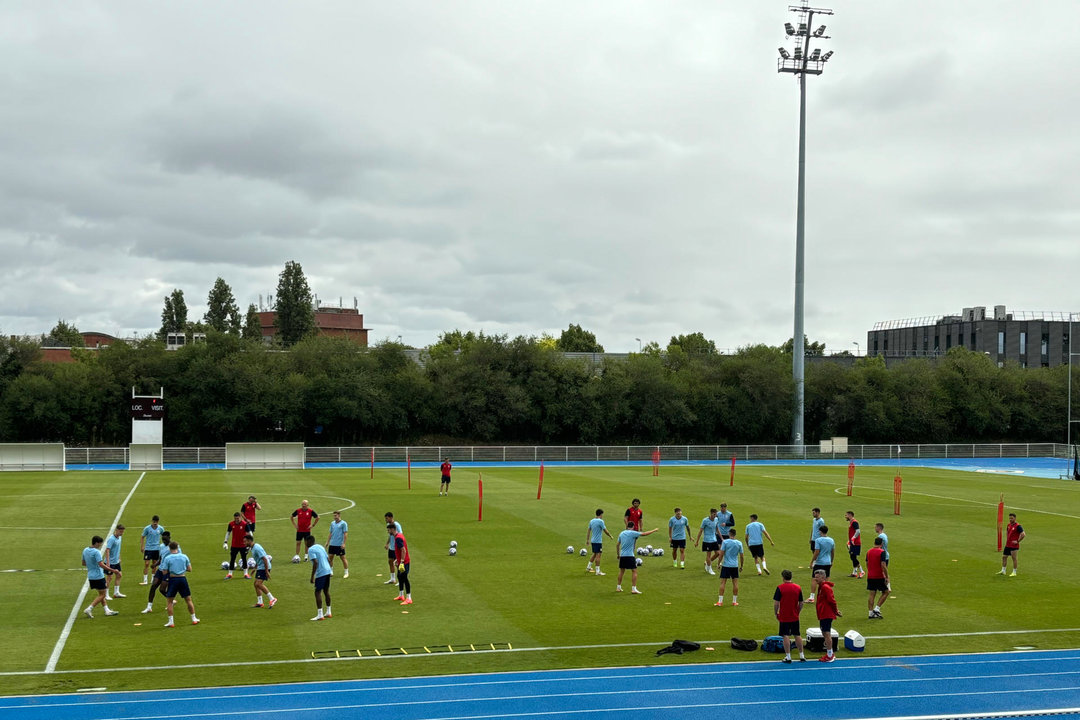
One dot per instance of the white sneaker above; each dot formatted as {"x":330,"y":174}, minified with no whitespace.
{"x":88,"y":612}
{"x":110,"y":613}
{"x":147,"y":610}
{"x":119,"y":595}
{"x":711,"y":571}
{"x":345,"y":575}
{"x":108,"y":598}
{"x":635,"y":591}
{"x":305,"y":557}
{"x":600,"y":573}
{"x":170,"y":623}
{"x":317,"y":617}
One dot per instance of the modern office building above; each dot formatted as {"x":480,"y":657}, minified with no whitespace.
{"x":1031,"y":339}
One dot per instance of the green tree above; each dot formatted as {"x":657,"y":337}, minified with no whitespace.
{"x":575,"y":339}
{"x":174,"y":315}
{"x":693,"y":344}
{"x":222,"y":314}
{"x":252,"y":327}
{"x":810,"y":348}
{"x":63,"y":335}
{"x":294,"y":305}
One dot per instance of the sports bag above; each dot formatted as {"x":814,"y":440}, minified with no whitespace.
{"x":743,"y":644}
{"x":773,"y":644}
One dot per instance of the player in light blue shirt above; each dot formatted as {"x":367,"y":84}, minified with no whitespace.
{"x":815,"y":527}
{"x":262,"y":572}
{"x":754,"y":541}
{"x":884,"y":542}
{"x":149,"y":546}
{"x":175,"y":566}
{"x":822,"y":560}
{"x":335,"y":543}
{"x":732,"y":552}
{"x":96,"y":568}
{"x":595,"y":537}
{"x":727,"y":522}
{"x":677,"y":532}
{"x":627,"y":561}
{"x":711,"y":544}
{"x":112,"y":557}
{"x":321,"y":572}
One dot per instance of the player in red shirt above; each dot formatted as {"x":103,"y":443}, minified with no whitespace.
{"x":303,"y":519}
{"x":826,"y":612}
{"x":854,"y":544}
{"x":444,"y":469}
{"x":401,"y":557}
{"x":237,"y":529}
{"x":877,"y":579}
{"x":787,"y":604}
{"x":248,"y":510}
{"x":1014,"y":535}
{"x":633,"y":514}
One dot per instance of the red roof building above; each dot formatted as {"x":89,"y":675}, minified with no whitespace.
{"x":332,"y":321}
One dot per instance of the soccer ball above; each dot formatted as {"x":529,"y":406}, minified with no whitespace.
{"x":224,"y":566}
{"x":251,"y":562}
{"x":453,"y":543}
{"x":639,"y":562}
{"x":642,"y":551}
{"x":569,"y":549}
{"x":583,"y":552}
{"x":453,"y":551}
{"x":296,"y":558}
{"x":660,"y":552}
{"x":655,"y":552}
{"x":648,"y":549}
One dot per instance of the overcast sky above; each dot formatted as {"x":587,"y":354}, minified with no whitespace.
{"x":515,"y":166}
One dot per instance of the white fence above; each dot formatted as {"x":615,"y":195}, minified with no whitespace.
{"x":591,"y":453}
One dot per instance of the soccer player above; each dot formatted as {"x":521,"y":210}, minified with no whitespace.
{"x":321,"y":572}
{"x":159,"y":576}
{"x":401,"y":557}
{"x":854,"y":544}
{"x":711,"y":545}
{"x":96,"y":568}
{"x":303,"y":519}
{"x":236,"y":530}
{"x":787,"y":604}
{"x":262,"y":572}
{"x":815,"y":528}
{"x":444,"y":470}
{"x":248,"y":510}
{"x":176,"y":566}
{"x":390,"y":554}
{"x":880,"y":530}
{"x":677,"y":526}
{"x":335,"y":541}
{"x":627,"y":561}
{"x":754,"y":532}
{"x":877,"y":580}
{"x":112,"y":547}
{"x":727,"y":522}
{"x":1014,"y":535}
{"x":633,"y":514}
{"x":732,"y":551}
{"x":149,"y":546}
{"x":595,"y":536}
{"x":826,"y":612}
{"x":822,"y":560}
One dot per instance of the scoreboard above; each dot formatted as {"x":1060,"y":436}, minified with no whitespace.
{"x":147,"y":408}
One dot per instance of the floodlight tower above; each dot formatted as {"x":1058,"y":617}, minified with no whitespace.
{"x":801,"y":62}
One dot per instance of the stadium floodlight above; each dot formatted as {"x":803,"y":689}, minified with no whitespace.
{"x":789,"y":28}
{"x":784,"y":53}
{"x":802,"y":65}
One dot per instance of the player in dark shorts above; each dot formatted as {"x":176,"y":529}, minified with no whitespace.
{"x":248,"y":510}
{"x":444,"y":470}
{"x":1014,"y":535}
{"x":303,"y":519}
{"x":159,"y":577}
{"x":877,"y":579}
{"x":787,"y":604}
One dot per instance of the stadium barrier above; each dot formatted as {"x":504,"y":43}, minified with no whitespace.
{"x":32,"y":456}
{"x":144,"y":456}
{"x":264,"y":456}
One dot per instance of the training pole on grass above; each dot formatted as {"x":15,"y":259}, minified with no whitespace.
{"x":897,"y":489}
{"x":408,"y":469}
{"x":480,"y":488}
{"x":540,"y":485}
{"x":732,"y":482}
{"x":1001,"y":517}
{"x":656,"y":462}
{"x":372,"y":463}
{"x":850,"y":476}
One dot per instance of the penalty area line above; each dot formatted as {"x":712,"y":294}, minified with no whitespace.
{"x":50,"y":667}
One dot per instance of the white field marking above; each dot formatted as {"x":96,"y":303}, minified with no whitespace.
{"x":59,"y":648}
{"x":126,"y":702}
{"x":299,"y":661}
{"x":785,"y":701}
{"x":350,"y":506}
{"x":921,"y":494}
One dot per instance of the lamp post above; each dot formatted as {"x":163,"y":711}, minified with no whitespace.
{"x":638,"y":344}
{"x":858,"y":350}
{"x":801,"y":63}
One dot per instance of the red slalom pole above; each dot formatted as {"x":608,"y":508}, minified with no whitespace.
{"x":898,"y":487}
{"x":408,"y":467}
{"x":850,"y":476}
{"x":480,"y":512}
{"x":732,"y":483}
{"x":540,"y":485}
{"x":1001,"y":517}
{"x":656,"y":462}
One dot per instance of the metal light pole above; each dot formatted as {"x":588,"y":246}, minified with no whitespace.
{"x":858,"y":350}
{"x":801,"y":63}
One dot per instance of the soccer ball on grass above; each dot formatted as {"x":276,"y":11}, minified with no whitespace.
{"x":224,"y":566}
{"x":453,"y":551}
{"x":569,"y":549}
{"x":296,"y":558}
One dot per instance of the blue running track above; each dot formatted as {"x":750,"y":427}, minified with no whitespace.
{"x":1000,"y":685}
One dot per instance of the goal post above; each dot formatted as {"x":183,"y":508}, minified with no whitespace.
{"x":32,"y":456}
{"x":264,"y":456}
{"x":144,"y":456}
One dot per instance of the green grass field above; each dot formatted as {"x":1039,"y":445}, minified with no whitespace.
{"x":512,"y":581}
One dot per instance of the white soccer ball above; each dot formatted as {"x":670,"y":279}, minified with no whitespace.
{"x":657,"y":552}
{"x":660,"y":552}
{"x":642,"y":551}
{"x":296,"y":558}
{"x":569,"y":549}
{"x":648,"y":548}
{"x":453,"y":551}
{"x":251,"y":562}
{"x":453,"y":543}
{"x":224,"y":566}
{"x":639,"y":562}
{"x":583,"y":552}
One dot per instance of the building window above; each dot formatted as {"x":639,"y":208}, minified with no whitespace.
{"x":875,"y":344}
{"x":1044,"y":349}
{"x":1023,"y":343}
{"x":960,"y":342}
{"x":1001,"y":342}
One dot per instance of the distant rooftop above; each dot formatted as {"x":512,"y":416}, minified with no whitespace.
{"x":977,"y":314}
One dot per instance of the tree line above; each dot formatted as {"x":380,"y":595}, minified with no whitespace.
{"x":473,"y":388}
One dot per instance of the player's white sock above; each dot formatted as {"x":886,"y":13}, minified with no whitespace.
{"x":269,"y":596}
{"x":811,"y":598}
{"x":393,"y":578}
{"x":588,"y":567}
{"x":619,"y":588}
{"x":408,"y":596}
{"x":758,"y":566}
{"x":735,"y":599}
{"x":328,"y":612}
{"x":764,"y":565}
{"x":144,"y":578}
{"x":829,"y":652}
{"x":721,"y":600}
{"x":877,"y":608}
{"x":320,"y":613}
{"x":787,"y":656}
{"x":801,"y":654}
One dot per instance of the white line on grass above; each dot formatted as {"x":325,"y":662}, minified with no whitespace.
{"x":59,"y":648}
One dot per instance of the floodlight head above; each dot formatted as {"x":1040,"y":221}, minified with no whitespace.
{"x":826,"y":56}
{"x":820,"y":31}
{"x":798,"y":53}
{"x":789,"y":29}
{"x":784,"y":53}
{"x":816,"y":55}
{"x":802,"y":29}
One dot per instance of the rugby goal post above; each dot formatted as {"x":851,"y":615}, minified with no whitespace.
{"x":144,"y":456}
{"x":264,"y":456}
{"x":32,"y":456}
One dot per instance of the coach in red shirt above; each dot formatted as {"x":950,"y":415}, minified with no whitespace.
{"x":826,"y":612}
{"x":303,"y":519}
{"x":236,"y":530}
{"x":787,"y":604}
{"x":1013,"y":537}
{"x":877,"y":579}
{"x":248,"y":510}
